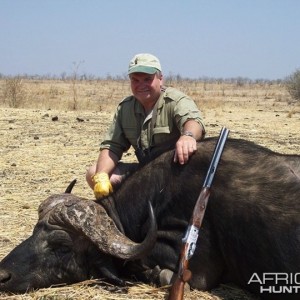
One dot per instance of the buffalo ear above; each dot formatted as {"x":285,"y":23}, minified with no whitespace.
{"x":103,"y":266}
{"x":91,"y":220}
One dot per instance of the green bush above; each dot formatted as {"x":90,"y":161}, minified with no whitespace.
{"x":293,"y":85}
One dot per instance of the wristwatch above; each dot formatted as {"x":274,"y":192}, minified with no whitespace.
{"x":187,"y":133}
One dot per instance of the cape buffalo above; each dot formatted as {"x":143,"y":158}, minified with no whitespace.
{"x":250,"y":234}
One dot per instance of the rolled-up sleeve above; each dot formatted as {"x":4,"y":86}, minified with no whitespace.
{"x":186,"y":109}
{"x":115,"y":139}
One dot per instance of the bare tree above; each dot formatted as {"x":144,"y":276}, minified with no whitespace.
{"x":293,"y":85}
{"x":74,"y":80}
{"x":13,"y":91}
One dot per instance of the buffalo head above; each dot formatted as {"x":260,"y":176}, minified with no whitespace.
{"x":73,"y":240}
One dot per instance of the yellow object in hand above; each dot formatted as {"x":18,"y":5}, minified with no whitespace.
{"x":102,"y":185}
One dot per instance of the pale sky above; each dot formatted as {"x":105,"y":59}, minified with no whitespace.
{"x":257,"y":39}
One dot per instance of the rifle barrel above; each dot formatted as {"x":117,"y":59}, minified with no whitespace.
{"x":216,"y":157}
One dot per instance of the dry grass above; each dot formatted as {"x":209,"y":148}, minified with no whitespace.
{"x":99,"y":290}
{"x":39,"y":156}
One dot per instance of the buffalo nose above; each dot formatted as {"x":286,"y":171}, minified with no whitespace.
{"x":4,"y":276}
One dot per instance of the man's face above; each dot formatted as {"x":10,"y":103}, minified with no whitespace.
{"x":146,"y":87}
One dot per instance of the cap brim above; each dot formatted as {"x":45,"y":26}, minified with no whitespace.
{"x":142,"y":69}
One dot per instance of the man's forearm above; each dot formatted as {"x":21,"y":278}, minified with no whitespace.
{"x":195,"y":128}
{"x":107,"y":161}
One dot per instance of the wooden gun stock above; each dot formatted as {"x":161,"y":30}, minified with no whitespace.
{"x":191,"y":235}
{"x":177,"y":289}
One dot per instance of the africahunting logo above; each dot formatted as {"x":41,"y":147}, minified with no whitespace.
{"x":277,"y":283}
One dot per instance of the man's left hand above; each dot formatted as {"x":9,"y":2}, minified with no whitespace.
{"x":185,"y":147}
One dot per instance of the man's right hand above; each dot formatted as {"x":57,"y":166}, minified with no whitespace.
{"x":102,"y":185}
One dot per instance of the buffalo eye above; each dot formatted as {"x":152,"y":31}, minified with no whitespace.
{"x":62,"y":250}
{"x":60,"y":243}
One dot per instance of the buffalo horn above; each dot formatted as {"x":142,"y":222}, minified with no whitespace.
{"x":91,"y":220}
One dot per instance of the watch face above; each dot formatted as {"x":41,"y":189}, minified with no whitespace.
{"x":188,"y":133}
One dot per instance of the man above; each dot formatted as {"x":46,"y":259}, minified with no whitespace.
{"x":153,"y":120}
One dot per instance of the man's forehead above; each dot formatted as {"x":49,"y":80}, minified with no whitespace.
{"x":140,"y":75}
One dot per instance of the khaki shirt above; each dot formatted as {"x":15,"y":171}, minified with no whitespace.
{"x":132,"y":127}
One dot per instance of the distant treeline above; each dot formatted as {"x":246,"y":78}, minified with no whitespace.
{"x":168,"y":78}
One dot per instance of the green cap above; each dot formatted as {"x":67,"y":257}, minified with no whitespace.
{"x":144,"y":63}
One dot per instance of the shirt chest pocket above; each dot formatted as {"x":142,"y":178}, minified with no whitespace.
{"x":161,"y":134}
{"x":130,"y":133}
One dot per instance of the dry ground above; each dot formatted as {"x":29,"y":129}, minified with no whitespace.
{"x":40,"y":156}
